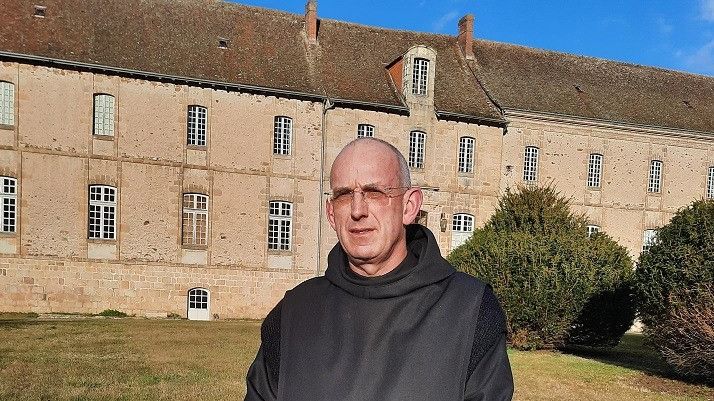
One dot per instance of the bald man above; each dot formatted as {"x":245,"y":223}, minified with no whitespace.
{"x":391,"y":319}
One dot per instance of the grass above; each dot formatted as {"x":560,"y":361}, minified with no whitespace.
{"x":141,"y":359}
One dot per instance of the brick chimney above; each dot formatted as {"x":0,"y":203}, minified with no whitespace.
{"x":466,"y":36}
{"x":311,"y":20}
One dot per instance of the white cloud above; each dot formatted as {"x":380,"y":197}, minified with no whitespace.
{"x":440,"y":24}
{"x":702,"y":60}
{"x":708,"y":10}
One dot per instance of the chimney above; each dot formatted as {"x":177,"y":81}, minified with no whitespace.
{"x":466,"y":36}
{"x":311,"y":20}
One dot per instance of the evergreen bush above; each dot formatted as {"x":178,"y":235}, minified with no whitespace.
{"x":674,"y":284}
{"x":545,"y":269}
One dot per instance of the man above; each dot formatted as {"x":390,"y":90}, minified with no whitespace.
{"x":391,"y":319}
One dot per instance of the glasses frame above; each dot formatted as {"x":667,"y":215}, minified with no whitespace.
{"x":350,"y":195}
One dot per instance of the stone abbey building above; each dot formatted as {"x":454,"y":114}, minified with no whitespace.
{"x":172,"y":156}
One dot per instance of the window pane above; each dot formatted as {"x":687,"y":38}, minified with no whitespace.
{"x":466,"y":154}
{"x":655,"y":179}
{"x":103,"y":114}
{"x":530,"y":164}
{"x":594,"y":170}
{"x":420,"y":76}
{"x":416,"y":149}
{"x":282,"y":135}
{"x":7,"y":103}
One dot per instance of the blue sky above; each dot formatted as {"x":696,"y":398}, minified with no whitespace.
{"x":674,"y":34}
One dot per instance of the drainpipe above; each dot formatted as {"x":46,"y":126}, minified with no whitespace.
{"x":327,"y":104}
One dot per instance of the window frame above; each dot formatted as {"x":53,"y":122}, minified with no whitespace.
{"x":280,"y":225}
{"x":710,"y":183}
{"x":8,"y":199}
{"x":103,"y":116}
{"x":417,"y":149}
{"x":7,"y":104}
{"x":420,"y":76}
{"x":649,"y":238}
{"x":192,"y":213}
{"x":199,"y":298}
{"x":595,"y":164}
{"x":365,"y":131}
{"x":106,"y":232}
{"x":196,"y":125}
{"x":654,"y":183}
{"x":282,"y":135}
{"x":467,"y":151}
{"x":592,"y":229}
{"x":463,"y":223}
{"x":530,"y":164}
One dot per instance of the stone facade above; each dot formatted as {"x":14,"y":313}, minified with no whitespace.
{"x":49,"y":263}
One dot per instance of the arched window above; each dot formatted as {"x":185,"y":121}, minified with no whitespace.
{"x":416,"y":149}
{"x":199,"y":302}
{"x":466,"y":154}
{"x":7,"y":103}
{"x":282,"y":135}
{"x":530,"y":164}
{"x":103,"y":114}
{"x":462,"y":226}
{"x":196,"y":125}
{"x":594,"y":170}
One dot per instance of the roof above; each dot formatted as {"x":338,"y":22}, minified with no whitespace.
{"x":545,"y":81}
{"x":267,"y":49}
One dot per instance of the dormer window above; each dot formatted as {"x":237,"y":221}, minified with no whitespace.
{"x":40,"y":11}
{"x":420,"y":76}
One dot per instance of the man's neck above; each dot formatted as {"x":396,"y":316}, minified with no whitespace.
{"x":381,"y":268}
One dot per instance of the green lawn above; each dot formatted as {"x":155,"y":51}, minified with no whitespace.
{"x":135,"y":359}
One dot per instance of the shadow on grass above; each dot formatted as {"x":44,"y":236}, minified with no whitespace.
{"x":633,"y":352}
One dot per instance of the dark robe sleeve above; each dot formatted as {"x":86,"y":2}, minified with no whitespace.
{"x":489,"y":375}
{"x":262,"y":378}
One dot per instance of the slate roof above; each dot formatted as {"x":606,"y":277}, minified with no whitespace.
{"x":536,"y":80}
{"x":267,"y":49}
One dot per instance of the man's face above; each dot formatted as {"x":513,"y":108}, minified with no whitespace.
{"x":371,"y":232}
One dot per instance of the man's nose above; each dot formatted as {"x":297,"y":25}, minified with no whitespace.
{"x":358,"y":205}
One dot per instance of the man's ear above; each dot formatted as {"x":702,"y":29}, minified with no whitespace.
{"x":330,"y":211}
{"x":412,"y":205}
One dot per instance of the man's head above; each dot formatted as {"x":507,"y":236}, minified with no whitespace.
{"x":372,"y":200}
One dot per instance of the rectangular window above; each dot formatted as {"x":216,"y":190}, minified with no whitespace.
{"x":594,"y":170}
{"x":195,"y":219}
{"x":530,"y":164}
{"x":466,"y":154}
{"x":8,"y":196}
{"x":416,"y":149}
{"x":103,"y":114}
{"x":710,"y":183}
{"x":282,"y":135}
{"x":655,"y":182}
{"x":649,"y":237}
{"x":102,"y":212}
{"x":420,"y":76}
{"x":365,"y":131}
{"x":196,"y":127}
{"x":280,"y":225}
{"x":593,"y":229}
{"x":7,"y":103}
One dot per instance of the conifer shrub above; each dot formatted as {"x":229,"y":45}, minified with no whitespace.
{"x":546,"y":272}
{"x":674,"y":285}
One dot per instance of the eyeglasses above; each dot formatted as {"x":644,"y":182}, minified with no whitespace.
{"x":371,"y":194}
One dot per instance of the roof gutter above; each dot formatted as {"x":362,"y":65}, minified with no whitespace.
{"x":608,"y":124}
{"x":164,"y":77}
{"x":493,"y":122}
